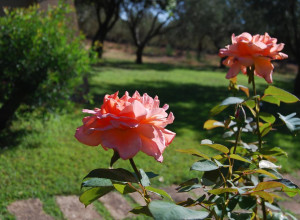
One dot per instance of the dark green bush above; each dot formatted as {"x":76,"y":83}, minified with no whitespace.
{"x":42,"y":59}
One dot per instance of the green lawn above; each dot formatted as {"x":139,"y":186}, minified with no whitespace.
{"x":42,"y":158}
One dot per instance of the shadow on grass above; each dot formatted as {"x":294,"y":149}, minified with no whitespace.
{"x":191,"y":104}
{"x":155,"y":66}
{"x":10,"y":139}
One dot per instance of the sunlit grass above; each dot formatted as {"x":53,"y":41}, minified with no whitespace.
{"x":44,"y":159}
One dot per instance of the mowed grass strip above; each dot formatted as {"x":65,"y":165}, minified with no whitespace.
{"x":42,"y":158}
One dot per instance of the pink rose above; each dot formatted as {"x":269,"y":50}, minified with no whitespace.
{"x":247,"y":50}
{"x":128,"y":125}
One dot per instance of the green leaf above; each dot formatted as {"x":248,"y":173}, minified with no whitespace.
{"x":92,"y":194}
{"x":165,"y":211}
{"x":267,"y":117}
{"x":232,"y":100}
{"x":218,"y":147}
{"x":222,"y":190}
{"x":145,"y":180}
{"x":238,"y":157}
{"x":250,"y":103}
{"x":293,"y":124}
{"x":114,"y":158}
{"x":265,"y":129}
{"x":287,"y":183}
{"x":93,"y":182}
{"x":210,"y":178}
{"x":204,"y":165}
{"x":113,"y":174}
{"x":277,"y":216}
{"x":271,"y":99}
{"x":266,"y":173}
{"x":265,"y":195}
{"x":274,"y":151}
{"x":193,"y":152}
{"x":160,"y":192}
{"x":281,"y":94}
{"x":210,"y":124}
{"x":141,"y":210}
{"x":240,"y":216}
{"x":189,"y":188}
{"x":123,"y":188}
{"x":151,"y":175}
{"x":247,"y":202}
{"x":217,"y":109}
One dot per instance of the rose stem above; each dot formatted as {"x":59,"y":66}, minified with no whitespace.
{"x":138,"y":174}
{"x":263,"y":206}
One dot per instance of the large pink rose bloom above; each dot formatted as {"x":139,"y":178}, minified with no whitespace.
{"x":247,"y":50}
{"x":128,"y":125}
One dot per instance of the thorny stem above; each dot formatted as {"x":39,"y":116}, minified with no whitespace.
{"x":138,"y":174}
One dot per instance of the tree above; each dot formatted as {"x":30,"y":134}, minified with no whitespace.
{"x":283,"y":22}
{"x":144,"y":21}
{"x":107,"y":14}
{"x":42,"y":59}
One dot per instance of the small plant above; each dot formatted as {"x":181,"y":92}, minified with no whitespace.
{"x":241,"y":179}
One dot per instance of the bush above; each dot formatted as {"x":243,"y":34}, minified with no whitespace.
{"x":41,"y":59}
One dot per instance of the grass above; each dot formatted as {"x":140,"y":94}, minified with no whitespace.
{"x":41,"y":158}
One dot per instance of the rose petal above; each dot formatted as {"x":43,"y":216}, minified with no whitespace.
{"x":125,"y":141}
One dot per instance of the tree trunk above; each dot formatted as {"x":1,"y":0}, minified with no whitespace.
{"x":297,"y":82}
{"x":98,"y":42}
{"x":139,"y":55}
{"x":199,"y":50}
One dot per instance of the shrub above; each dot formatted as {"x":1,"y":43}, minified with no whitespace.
{"x":41,"y":59}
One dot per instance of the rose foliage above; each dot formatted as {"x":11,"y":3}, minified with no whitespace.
{"x":240,"y":181}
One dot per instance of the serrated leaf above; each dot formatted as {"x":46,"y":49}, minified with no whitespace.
{"x":231,"y":101}
{"x":193,"y":152}
{"x":141,"y":210}
{"x":204,"y":165}
{"x":93,"y":194}
{"x":238,"y":157}
{"x":123,"y":188}
{"x":267,"y":117}
{"x":159,"y":192}
{"x":222,"y":190}
{"x":218,"y":147}
{"x":113,"y":174}
{"x":164,"y":211}
{"x":281,"y":94}
{"x":217,"y":109}
{"x":211,"y":124}
{"x":292,"y":123}
{"x":271,"y":99}
{"x":93,"y":182}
